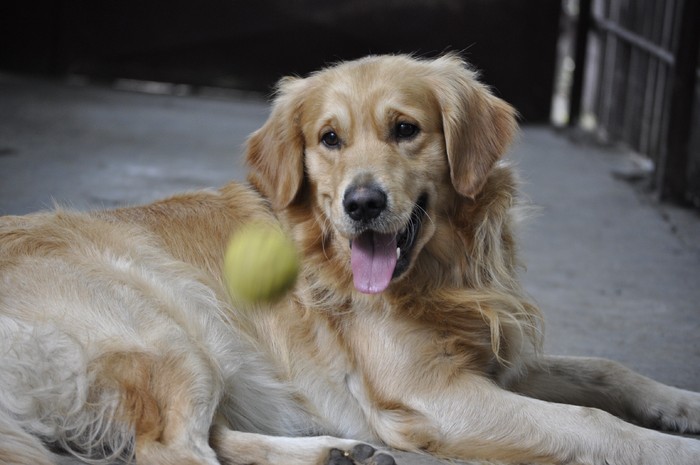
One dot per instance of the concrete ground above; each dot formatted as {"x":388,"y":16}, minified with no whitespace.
{"x":616,"y":274}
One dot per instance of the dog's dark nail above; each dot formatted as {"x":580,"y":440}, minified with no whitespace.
{"x":362,"y":452}
{"x":338,"y":457}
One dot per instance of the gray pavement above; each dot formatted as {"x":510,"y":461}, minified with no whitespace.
{"x":617,"y":274}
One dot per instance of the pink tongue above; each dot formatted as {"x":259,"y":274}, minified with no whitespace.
{"x":373,"y":260}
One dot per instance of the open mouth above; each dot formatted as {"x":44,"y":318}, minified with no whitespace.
{"x":377,"y":258}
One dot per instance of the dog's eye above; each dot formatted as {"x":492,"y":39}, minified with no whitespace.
{"x":330,"y":139}
{"x":406,"y":130}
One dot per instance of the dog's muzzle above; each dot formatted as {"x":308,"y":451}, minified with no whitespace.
{"x":376,"y":257}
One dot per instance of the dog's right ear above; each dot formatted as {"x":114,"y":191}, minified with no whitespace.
{"x":275,"y":152}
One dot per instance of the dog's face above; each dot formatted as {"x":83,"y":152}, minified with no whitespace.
{"x":381,"y":143}
{"x":376,"y":157}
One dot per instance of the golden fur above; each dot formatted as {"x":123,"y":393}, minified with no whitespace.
{"x":118,"y":336}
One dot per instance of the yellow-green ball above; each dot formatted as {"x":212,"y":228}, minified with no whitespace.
{"x":260,"y":264}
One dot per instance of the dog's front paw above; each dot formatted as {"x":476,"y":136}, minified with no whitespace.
{"x":361,"y":454}
{"x":679,"y":412}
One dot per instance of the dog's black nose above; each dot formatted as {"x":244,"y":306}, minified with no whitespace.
{"x":364,"y":203}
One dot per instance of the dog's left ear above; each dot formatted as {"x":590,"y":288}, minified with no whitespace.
{"x":275,"y":152}
{"x":478,"y":126}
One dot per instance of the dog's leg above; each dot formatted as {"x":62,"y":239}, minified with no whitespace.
{"x":238,"y":448}
{"x":608,"y":385}
{"x":167,"y":399}
{"x":473,"y":418}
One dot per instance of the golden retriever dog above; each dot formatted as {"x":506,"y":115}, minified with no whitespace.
{"x":406,"y":329}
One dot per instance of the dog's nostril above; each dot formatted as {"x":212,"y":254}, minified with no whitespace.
{"x":364,"y":203}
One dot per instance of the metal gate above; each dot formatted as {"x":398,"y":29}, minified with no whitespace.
{"x":636,"y":80}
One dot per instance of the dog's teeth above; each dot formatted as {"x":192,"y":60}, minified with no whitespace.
{"x":398,"y":252}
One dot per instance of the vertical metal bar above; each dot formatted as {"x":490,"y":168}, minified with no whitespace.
{"x":592,"y":72}
{"x":609,"y":72}
{"x":660,"y":121}
{"x":583,"y":26}
{"x":601,"y":7}
{"x":647,"y":109}
{"x":652,"y":33}
{"x":599,"y":40}
{"x":634,"y":89}
{"x":673,"y":171}
{"x":620,"y":75}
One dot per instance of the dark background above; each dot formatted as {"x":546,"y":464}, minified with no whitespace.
{"x":249,"y":45}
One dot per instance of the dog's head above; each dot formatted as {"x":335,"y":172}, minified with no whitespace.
{"x":377,"y":145}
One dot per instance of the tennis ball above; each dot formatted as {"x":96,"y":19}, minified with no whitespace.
{"x":260,"y":263}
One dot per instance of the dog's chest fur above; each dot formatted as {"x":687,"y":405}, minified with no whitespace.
{"x":358,"y":388}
